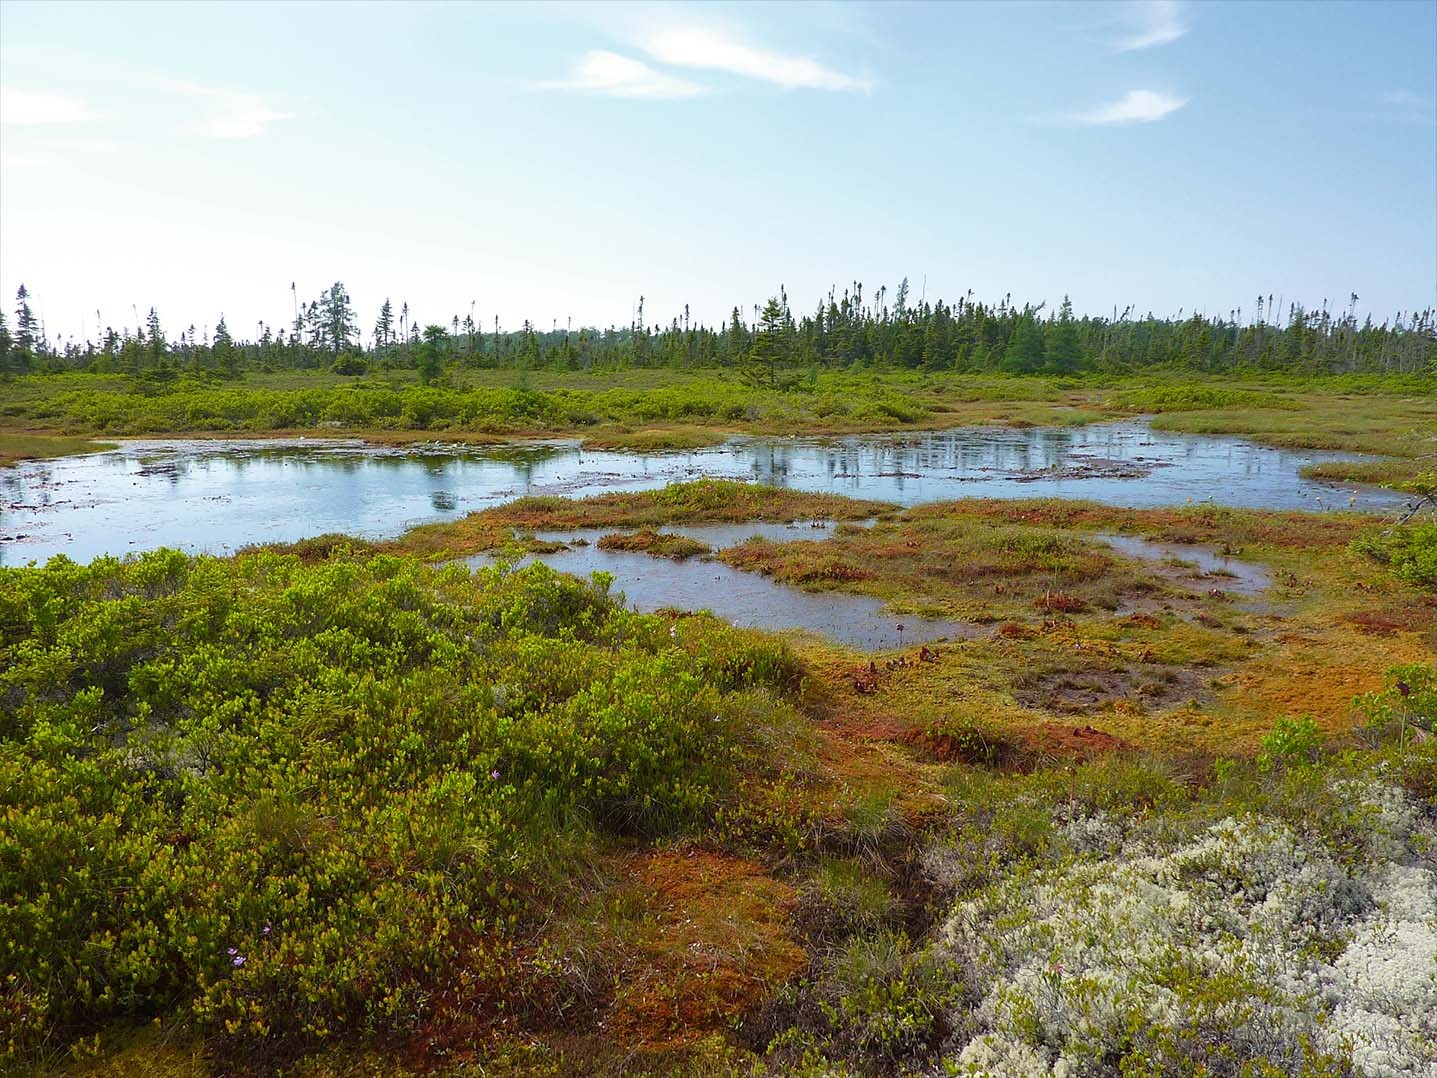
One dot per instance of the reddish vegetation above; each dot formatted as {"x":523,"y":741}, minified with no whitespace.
{"x":472,"y":1008}
{"x":717,"y":944}
{"x":1412,"y":618}
{"x":1060,"y":602}
{"x":1080,"y":742}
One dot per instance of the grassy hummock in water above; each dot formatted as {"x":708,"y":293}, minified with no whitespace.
{"x":655,"y":543}
{"x":16,"y":446}
{"x":704,"y":501}
{"x":662,"y":440}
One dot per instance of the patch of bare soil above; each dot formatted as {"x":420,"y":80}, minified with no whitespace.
{"x":1096,"y":688}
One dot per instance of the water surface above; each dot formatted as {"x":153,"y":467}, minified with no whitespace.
{"x":1198,"y":562}
{"x":217,"y":496}
{"x":747,"y":599}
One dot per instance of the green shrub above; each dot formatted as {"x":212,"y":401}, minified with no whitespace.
{"x":1291,"y":743}
{"x":1410,"y":551}
{"x":283,"y":795}
{"x":888,"y":997}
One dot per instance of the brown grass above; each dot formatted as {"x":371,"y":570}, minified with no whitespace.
{"x":655,"y":543}
{"x":705,"y":501}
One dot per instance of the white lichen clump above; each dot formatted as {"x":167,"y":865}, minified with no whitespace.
{"x":1246,"y":941}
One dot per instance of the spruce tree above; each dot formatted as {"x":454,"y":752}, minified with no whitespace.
{"x":1064,"y":351}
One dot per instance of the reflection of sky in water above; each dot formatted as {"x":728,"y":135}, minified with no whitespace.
{"x":218,"y":496}
{"x":648,"y":584}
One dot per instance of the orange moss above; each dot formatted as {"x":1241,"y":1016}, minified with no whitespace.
{"x":717,"y":942}
{"x":1317,"y":673}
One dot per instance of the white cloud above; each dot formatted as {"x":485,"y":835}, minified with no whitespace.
{"x":1138,"y":107}
{"x":710,"y":50}
{"x":1153,"y":22}
{"x":225,"y":113}
{"x":1410,"y":106}
{"x":29,"y":108}
{"x":609,"y":73}
{"x":238,"y":115}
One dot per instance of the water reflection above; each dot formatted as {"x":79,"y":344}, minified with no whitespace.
{"x":746,"y":599}
{"x":218,"y":496}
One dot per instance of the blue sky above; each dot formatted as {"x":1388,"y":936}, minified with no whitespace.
{"x":558,"y":162}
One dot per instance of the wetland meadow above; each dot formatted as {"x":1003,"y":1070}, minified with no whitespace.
{"x":757,"y":746}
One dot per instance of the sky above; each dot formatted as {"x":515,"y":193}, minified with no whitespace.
{"x":555,"y":163}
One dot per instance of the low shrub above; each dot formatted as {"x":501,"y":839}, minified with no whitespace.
{"x":282,"y":795}
{"x":1409,"y":550}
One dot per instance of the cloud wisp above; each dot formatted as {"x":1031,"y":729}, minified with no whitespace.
{"x":195,"y":108}
{"x":30,"y":108}
{"x":237,"y":114}
{"x":1136,"y":107}
{"x":614,"y":75}
{"x":1152,"y":23}
{"x":1410,"y":107}
{"x":705,"y":49}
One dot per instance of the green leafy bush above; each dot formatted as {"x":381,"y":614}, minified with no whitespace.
{"x":1291,"y":743}
{"x":1410,"y":551}
{"x":284,"y":795}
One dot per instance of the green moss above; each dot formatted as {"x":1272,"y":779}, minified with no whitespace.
{"x":15,"y":447}
{"x":654,"y":441}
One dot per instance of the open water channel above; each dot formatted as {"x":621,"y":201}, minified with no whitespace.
{"x":217,"y":496}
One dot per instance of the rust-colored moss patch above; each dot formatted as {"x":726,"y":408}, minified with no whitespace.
{"x":715,"y":944}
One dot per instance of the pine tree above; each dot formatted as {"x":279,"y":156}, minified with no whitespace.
{"x":737,"y":339}
{"x":157,"y":336}
{"x":1025,"y":347}
{"x":431,"y":354}
{"x":7,"y":348}
{"x":384,"y":325}
{"x":226,"y":355}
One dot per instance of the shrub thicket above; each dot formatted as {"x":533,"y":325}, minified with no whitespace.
{"x":283,"y":797}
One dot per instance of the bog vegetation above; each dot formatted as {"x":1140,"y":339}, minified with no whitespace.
{"x":289,"y":800}
{"x":344,"y":808}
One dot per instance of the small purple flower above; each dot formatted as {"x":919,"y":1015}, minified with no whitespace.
{"x":494,"y":775}
{"x":232,"y":951}
{"x":238,"y":960}
{"x":264,"y":931}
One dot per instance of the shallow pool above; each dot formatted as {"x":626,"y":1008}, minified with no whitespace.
{"x":218,"y":496}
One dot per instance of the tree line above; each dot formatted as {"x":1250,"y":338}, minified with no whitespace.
{"x":772,"y":346}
